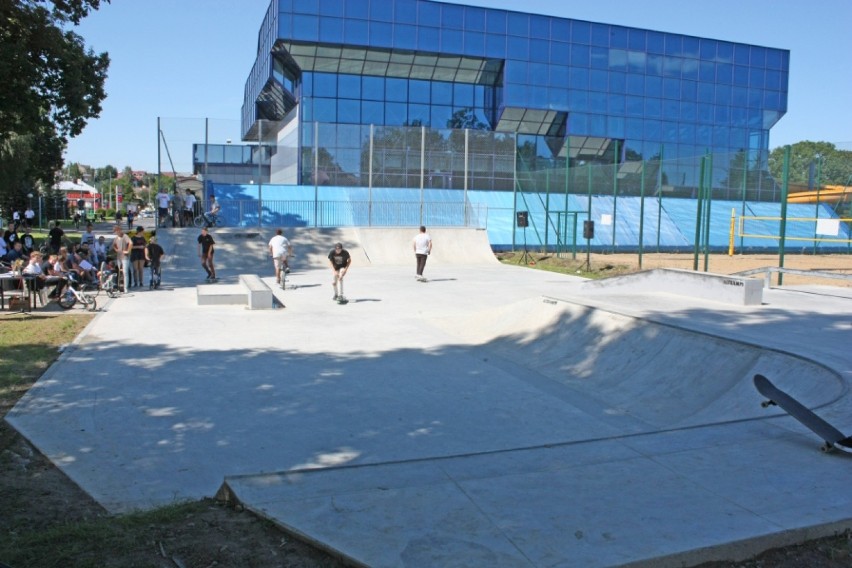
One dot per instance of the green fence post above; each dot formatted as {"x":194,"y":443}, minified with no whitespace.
{"x":697,"y":244}
{"x":614,"y":194}
{"x":589,"y":216}
{"x":708,"y":191}
{"x":641,"y":211}
{"x":785,"y":183}
{"x":660,"y":197}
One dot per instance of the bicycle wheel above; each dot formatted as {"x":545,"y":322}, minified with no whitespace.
{"x":67,"y":300}
{"x":198,"y":221}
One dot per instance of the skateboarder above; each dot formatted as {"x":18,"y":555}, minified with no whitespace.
{"x":206,"y":247}
{"x":422,"y":249}
{"x":340,"y":261}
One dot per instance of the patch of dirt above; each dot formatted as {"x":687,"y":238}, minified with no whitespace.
{"x":603,"y":265}
{"x":36,"y":497}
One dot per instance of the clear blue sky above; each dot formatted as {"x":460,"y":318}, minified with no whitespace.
{"x":186,"y":60}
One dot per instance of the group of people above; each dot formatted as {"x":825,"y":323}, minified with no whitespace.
{"x":340,"y":260}
{"x":72,"y":261}
{"x":132,"y":253}
{"x":181,"y":209}
{"x":129,"y":255}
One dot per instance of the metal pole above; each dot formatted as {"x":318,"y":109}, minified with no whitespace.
{"x":514,"y":188}
{"x":206,"y":148}
{"x":589,"y":216}
{"x":157,"y":219}
{"x":370,"y":181}
{"x":709,"y":196}
{"x":614,"y":194}
{"x":744,"y":184}
{"x":316,"y":173}
{"x":660,"y":198}
{"x":641,"y":211}
{"x":785,"y":182}
{"x":818,"y":183}
{"x":422,"y":165}
{"x":546,"y":207}
{"x":697,"y":244}
{"x":260,"y":173}
{"x":567,"y":172}
{"x":466,"y":165}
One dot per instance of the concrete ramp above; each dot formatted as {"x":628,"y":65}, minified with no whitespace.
{"x":705,"y":285}
{"x":450,"y":246}
{"x":243,"y":250}
{"x":652,"y":375}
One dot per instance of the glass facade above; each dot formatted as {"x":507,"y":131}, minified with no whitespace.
{"x":334,"y":80}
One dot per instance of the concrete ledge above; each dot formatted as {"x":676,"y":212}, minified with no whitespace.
{"x":704,"y":285}
{"x":259,"y":295}
{"x":220,"y":295}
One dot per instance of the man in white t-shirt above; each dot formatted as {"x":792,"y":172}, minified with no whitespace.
{"x":163,"y":199}
{"x":189,"y":207}
{"x":280,"y":250}
{"x":422,"y":249}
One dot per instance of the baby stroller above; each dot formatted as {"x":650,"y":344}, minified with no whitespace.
{"x":108,"y":279}
{"x":156,"y":275}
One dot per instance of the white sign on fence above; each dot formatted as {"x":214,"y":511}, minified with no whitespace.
{"x":829,"y":227}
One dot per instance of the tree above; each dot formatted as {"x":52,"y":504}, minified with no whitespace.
{"x":52,"y":84}
{"x":808,"y":158}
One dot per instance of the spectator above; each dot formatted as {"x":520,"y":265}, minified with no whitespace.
{"x":56,"y":235}
{"x":163,"y":200}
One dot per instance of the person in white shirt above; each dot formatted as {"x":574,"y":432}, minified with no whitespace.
{"x":189,"y":207}
{"x":280,"y":250}
{"x":99,"y":250}
{"x":163,"y":199}
{"x":422,"y":249}
{"x":29,"y":216}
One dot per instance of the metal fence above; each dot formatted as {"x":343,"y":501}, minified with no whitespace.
{"x":639,"y":197}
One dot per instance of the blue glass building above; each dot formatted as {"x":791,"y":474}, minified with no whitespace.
{"x":334,"y":77}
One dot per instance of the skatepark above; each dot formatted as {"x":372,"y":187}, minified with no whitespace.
{"x":493,"y":416}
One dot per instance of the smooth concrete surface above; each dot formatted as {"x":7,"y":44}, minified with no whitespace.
{"x":494,"y":416}
{"x":706,"y":285}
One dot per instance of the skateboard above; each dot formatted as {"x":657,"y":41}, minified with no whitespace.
{"x":834,"y":438}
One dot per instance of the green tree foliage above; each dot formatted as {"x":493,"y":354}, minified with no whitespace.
{"x":52,"y":86}
{"x":834,"y":166}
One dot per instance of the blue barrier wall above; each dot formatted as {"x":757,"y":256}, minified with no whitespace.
{"x":555,"y":220}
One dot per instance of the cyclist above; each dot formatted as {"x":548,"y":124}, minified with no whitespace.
{"x":211,"y":216}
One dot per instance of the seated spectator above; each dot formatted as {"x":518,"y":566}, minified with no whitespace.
{"x":28,"y":240}
{"x":85,"y":268}
{"x":17,"y":253}
{"x":36,"y":278}
{"x":55,"y":276}
{"x":99,"y":251}
{"x":11,"y":235}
